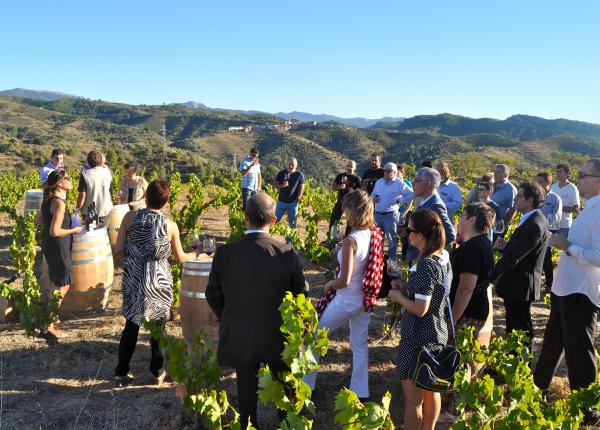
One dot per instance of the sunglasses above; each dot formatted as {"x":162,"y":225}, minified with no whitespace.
{"x":411,"y":230}
{"x":582,"y":175}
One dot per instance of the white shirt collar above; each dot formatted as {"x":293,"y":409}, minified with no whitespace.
{"x":424,"y":200}
{"x":255,"y":231}
{"x":525,"y":216}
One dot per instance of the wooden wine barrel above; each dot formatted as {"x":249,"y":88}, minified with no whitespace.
{"x":33,"y":200}
{"x":115,"y":218}
{"x":194,"y":310}
{"x":93,"y":272}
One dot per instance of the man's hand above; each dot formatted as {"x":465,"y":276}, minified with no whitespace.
{"x":559,"y":242}
{"x":397,"y":284}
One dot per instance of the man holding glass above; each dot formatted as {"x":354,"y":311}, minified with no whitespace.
{"x":343,"y":183}
{"x":552,"y":210}
{"x":575,"y":298}
{"x":251,"y":176}
{"x":504,"y":195}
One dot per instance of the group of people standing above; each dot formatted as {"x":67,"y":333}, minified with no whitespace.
{"x":446,"y":260}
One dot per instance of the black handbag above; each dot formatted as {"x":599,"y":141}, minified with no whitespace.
{"x":435,"y":371}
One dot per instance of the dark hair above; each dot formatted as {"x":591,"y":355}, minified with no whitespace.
{"x":533,"y":190}
{"x":485,"y":217}
{"x":94,"y":158}
{"x":400,"y":168}
{"x":131,"y":165}
{"x":260,"y":209}
{"x":545,"y":175}
{"x":56,"y":151}
{"x":254,"y":150}
{"x":485,"y":185}
{"x":426,"y":163}
{"x":565,"y":167}
{"x":157,"y":194}
{"x":52,"y":183}
{"x":428,"y":223}
{"x":374,"y":154}
{"x":487,"y":177}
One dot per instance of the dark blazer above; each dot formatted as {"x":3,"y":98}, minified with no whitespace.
{"x":517,"y":274}
{"x":246,"y":285}
{"x":436,"y":204}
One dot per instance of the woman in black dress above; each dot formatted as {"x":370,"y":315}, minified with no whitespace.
{"x":423,"y":323}
{"x":58,"y":234}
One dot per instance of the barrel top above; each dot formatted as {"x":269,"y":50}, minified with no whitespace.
{"x":202,"y":261}
{"x":120,"y":208}
{"x":99,"y":232}
{"x":35,"y":191}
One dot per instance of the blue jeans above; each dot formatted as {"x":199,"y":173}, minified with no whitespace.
{"x":246,"y":194}
{"x":387,"y":223}
{"x":290,"y":208}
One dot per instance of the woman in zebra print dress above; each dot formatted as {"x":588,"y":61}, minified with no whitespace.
{"x":147,"y":237}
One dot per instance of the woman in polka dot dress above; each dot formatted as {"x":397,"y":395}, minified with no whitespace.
{"x":423,"y":323}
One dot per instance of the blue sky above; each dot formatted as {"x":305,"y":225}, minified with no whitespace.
{"x":369,"y":59}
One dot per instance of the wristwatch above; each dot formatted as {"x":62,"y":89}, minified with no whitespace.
{"x":568,"y":252}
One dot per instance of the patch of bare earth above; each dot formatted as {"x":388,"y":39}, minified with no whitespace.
{"x":69,"y":385}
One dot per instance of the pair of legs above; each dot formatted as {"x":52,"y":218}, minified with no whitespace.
{"x":518,"y":317}
{"x":570,"y":331}
{"x":292,"y":213}
{"x":548,"y":269}
{"x":349,"y":309}
{"x":421,"y":407}
{"x":127,"y":345}
{"x":63,"y":290}
{"x":246,"y":194}
{"x":387,"y":223}
{"x":247,"y":386}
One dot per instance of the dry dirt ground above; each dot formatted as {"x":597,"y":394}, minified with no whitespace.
{"x":69,"y":385}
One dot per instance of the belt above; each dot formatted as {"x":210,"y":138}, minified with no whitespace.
{"x":385,"y":213}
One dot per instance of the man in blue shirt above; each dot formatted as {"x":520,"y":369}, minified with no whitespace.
{"x":552,"y":210}
{"x":389,"y":192}
{"x":290,"y":182}
{"x":504,"y":194}
{"x":449,"y":190}
{"x":56,"y":162}
{"x":251,"y":176}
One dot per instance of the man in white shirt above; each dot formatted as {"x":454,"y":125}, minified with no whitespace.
{"x":56,"y":162}
{"x":569,"y":196}
{"x":388,"y":194}
{"x":448,"y":190}
{"x":576,"y":296}
{"x":251,"y":176}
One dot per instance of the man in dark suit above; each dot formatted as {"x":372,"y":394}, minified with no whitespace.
{"x":517,"y":275}
{"x":425,"y":185}
{"x":247,"y":283}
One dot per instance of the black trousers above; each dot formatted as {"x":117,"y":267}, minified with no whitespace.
{"x":247,"y":386}
{"x":570,"y":331}
{"x":518,"y":317}
{"x":127,"y":345}
{"x":548,"y":269}
{"x":336,"y":213}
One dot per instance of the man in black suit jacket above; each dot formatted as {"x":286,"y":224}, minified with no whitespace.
{"x":247,"y":283}
{"x":517,"y":274}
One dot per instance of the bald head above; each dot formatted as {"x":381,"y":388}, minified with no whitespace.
{"x":260,"y":211}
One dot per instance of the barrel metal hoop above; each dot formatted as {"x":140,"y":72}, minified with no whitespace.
{"x":91,"y":260}
{"x":195,"y":272}
{"x":192,"y":295}
{"x":79,"y":251}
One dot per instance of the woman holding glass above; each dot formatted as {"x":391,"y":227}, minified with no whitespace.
{"x":423,"y":323}
{"x":133,"y":187}
{"x":146,"y":239}
{"x":347,"y":306}
{"x":58,"y":235}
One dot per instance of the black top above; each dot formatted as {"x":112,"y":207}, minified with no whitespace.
{"x":473,"y":256}
{"x":290,"y":193}
{"x":352,"y":183}
{"x":130,"y":194}
{"x":57,"y":250}
{"x":370,"y":177}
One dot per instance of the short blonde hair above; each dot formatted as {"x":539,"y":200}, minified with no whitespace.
{"x":360,"y":209}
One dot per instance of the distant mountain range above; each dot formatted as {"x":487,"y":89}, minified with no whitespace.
{"x":38,"y":94}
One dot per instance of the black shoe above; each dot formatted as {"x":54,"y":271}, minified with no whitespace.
{"x":121,"y":381}
{"x":591,"y":418}
{"x":364,"y":400}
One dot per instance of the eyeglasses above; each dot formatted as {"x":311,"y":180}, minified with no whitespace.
{"x":411,"y":230}
{"x":582,"y":175}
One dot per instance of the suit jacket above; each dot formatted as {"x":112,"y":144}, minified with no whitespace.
{"x":517,"y":274}
{"x":436,"y":204}
{"x":246,"y":286}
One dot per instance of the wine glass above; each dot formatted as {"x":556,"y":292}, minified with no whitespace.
{"x":553,"y":222}
{"x":336,"y":233}
{"x":208,"y":246}
{"x":195,"y":243}
{"x":499,"y":226}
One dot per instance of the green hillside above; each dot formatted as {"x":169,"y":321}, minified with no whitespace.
{"x":168,"y":137}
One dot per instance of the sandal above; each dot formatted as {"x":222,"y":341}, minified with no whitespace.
{"x":121,"y":381}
